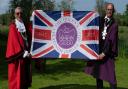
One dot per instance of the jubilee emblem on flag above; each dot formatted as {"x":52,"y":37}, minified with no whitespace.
{"x":65,"y":34}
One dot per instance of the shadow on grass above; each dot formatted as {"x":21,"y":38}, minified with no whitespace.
{"x":75,"y":86}
{"x":63,"y":66}
{"x":53,"y":67}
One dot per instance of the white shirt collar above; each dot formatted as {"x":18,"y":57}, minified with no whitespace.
{"x":106,"y":17}
{"x":20,"y":26}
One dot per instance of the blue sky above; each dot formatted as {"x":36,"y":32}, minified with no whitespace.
{"x":90,"y":4}
{"x":78,"y":5}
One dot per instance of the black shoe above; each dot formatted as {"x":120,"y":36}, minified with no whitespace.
{"x":113,"y":86}
{"x":99,"y":83}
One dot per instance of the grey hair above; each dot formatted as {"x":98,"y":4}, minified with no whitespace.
{"x":18,"y":8}
{"x":111,"y":5}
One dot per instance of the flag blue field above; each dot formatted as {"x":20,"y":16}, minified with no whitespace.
{"x":65,"y":34}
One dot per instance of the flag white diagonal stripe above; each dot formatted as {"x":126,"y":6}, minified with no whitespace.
{"x":44,"y":18}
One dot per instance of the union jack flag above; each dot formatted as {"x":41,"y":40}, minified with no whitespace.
{"x":65,"y":34}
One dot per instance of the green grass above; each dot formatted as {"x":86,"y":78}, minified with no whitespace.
{"x":67,"y":74}
{"x":70,"y":75}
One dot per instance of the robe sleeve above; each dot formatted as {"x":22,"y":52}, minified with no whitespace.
{"x":111,"y":44}
{"x":106,"y":47}
{"x":114,"y":42}
{"x":14,"y":48}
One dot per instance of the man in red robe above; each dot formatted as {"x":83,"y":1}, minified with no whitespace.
{"x":17,"y":54}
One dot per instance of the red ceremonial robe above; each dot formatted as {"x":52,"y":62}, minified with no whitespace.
{"x":19,"y":76}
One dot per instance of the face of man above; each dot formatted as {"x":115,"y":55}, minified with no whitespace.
{"x":109,"y":10}
{"x":18,"y":14}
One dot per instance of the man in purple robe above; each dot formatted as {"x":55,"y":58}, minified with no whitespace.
{"x":104,"y":69}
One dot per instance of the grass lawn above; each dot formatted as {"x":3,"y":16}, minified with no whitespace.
{"x":68,"y":74}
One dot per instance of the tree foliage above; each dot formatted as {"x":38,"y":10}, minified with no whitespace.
{"x":122,"y":19}
{"x":29,"y":5}
{"x":126,"y":11}
{"x":100,"y":7}
{"x":4,"y":19}
{"x":66,"y":5}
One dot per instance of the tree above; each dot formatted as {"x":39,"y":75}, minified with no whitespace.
{"x":26,"y":5}
{"x":126,"y":16}
{"x":29,"y":5}
{"x":66,"y":5}
{"x":44,"y":4}
{"x":100,"y":7}
{"x":126,"y":11}
{"x":4,"y":19}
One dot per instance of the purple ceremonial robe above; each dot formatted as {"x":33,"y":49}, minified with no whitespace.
{"x":105,"y":69}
